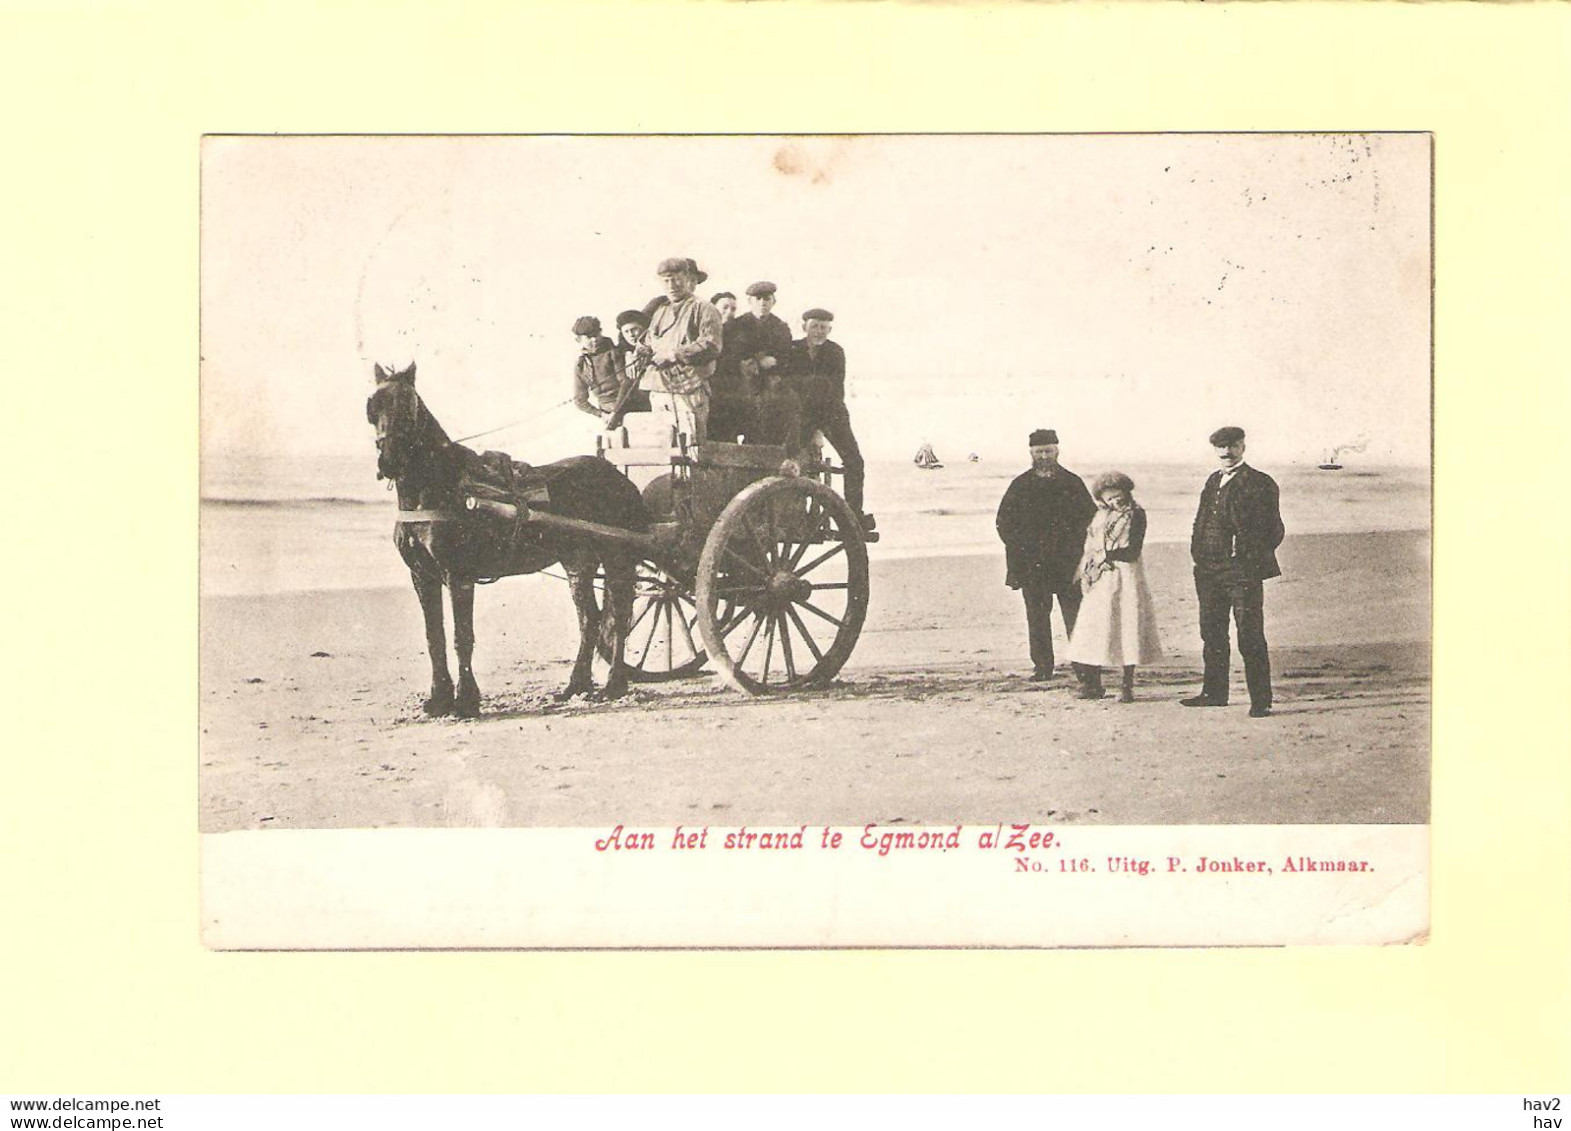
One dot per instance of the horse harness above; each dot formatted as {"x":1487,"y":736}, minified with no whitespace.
{"x":524,"y":497}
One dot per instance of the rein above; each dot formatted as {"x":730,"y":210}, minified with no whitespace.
{"x":514,"y":424}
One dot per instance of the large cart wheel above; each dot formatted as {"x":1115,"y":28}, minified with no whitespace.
{"x":782,"y":586}
{"x":662,"y":640}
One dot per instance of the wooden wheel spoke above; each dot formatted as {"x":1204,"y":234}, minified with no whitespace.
{"x":745,"y":564}
{"x":649,"y":641}
{"x":752,"y":636}
{"x":773,"y":541}
{"x":670,"y":638}
{"x":758,"y":539}
{"x":739,"y":615}
{"x":815,"y":520}
{"x":831,"y":585}
{"x":837,"y":548}
{"x":817,"y":612}
{"x":785,"y":649}
{"x":637,"y":620}
{"x":643,"y":653}
{"x":687,"y":630}
{"x":807,"y":636}
{"x":769,"y":647}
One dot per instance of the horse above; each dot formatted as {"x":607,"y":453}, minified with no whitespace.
{"x":443,"y":544}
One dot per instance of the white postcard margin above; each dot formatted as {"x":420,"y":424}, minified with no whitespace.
{"x":881,"y":886}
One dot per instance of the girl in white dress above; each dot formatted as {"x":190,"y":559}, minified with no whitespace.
{"x":1116,"y":627}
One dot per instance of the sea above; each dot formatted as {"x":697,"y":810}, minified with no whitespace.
{"x":277,"y":525}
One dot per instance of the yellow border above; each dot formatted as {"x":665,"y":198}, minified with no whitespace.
{"x":104,"y":983}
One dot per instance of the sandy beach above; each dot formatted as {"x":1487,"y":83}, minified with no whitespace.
{"x":310,"y":714}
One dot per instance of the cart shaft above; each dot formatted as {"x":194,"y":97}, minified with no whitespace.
{"x":649,"y":543}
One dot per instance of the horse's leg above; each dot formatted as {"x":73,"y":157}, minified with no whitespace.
{"x":620,"y":581}
{"x":428,"y":587}
{"x":467,"y":705}
{"x":581,"y":580}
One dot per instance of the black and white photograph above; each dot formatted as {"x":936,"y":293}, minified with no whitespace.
{"x":611,"y":487}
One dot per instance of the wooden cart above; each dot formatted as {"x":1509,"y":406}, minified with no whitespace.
{"x":754,"y":566}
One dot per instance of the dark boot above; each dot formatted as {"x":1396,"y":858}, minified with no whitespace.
{"x":1090,"y":682}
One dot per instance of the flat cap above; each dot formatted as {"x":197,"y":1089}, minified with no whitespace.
{"x":1043,"y":436}
{"x":632,"y":317}
{"x":588,"y":324}
{"x":675,"y":263}
{"x":1225,"y":436}
{"x":817,"y":313}
{"x":758,"y":290}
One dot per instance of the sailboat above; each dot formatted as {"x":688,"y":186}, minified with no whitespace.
{"x":926,"y":458}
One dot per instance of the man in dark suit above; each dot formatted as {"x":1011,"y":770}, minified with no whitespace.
{"x":1042,"y":521}
{"x":1237,"y":530}
{"x":751,"y":395}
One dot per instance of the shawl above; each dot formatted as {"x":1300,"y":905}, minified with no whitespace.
{"x":1109,"y":530}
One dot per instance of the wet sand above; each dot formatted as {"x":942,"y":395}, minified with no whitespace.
{"x":310,"y":714}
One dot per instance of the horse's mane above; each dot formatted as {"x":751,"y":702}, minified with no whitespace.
{"x":444,"y":461}
{"x":433,"y":427}
{"x":425,"y":420}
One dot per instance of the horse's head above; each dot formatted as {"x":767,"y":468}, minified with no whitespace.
{"x":394,"y":409}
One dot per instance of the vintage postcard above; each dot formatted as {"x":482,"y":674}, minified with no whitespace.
{"x":749,"y":541}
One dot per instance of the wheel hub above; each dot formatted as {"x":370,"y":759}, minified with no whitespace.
{"x":786,"y":587}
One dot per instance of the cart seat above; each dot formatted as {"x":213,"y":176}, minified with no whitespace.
{"x":640,"y":442}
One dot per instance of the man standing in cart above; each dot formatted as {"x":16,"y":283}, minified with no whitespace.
{"x":754,"y":365}
{"x":768,"y":338}
{"x":818,"y":375}
{"x":731,"y":406}
{"x":682,"y":345}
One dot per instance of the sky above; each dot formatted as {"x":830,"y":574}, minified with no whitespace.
{"x":1134,"y":292}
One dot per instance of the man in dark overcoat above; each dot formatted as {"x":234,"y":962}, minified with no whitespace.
{"x":1237,"y":529}
{"x":1042,"y":521}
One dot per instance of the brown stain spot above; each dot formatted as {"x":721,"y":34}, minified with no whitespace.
{"x":788,"y":160}
{"x":792,"y":161}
